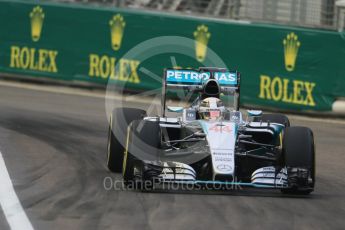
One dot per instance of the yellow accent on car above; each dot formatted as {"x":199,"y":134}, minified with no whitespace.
{"x":281,"y":139}
{"x":125,"y":153}
{"x":109,"y":139}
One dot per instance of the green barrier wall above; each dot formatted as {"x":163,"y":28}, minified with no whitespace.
{"x":282,"y":67}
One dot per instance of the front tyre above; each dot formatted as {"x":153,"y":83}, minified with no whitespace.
{"x":299,"y":158}
{"x":143,"y":142}
{"x":119,"y":121}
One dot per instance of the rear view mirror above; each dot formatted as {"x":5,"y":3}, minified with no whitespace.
{"x":254,"y":113}
{"x":175,"y":109}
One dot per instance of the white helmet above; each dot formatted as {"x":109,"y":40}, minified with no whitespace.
{"x":211,"y":108}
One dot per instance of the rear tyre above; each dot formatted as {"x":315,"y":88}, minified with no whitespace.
{"x":275,"y":118}
{"x":299,"y":157}
{"x":119,"y":121}
{"x":143,"y":142}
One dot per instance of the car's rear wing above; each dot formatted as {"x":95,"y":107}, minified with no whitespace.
{"x":193,"y":80}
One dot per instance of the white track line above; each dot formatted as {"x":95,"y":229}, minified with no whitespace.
{"x":12,"y":208}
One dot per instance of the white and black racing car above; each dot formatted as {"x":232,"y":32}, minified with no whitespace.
{"x":209,"y":143}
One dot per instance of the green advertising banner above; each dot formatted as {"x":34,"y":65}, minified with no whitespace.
{"x":282,"y":67}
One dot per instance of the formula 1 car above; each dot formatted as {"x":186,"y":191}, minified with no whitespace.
{"x":209,"y":143}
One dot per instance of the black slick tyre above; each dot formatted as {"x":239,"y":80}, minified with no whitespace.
{"x":119,"y":121}
{"x":143,"y":141}
{"x":299,"y":155}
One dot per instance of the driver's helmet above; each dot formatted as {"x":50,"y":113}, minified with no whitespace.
{"x":211,"y":108}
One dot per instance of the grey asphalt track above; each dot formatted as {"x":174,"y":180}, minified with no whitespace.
{"x":54,"y":146}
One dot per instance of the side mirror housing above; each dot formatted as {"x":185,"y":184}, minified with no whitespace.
{"x":254,"y":113}
{"x":175,"y":109}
